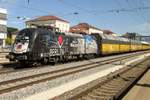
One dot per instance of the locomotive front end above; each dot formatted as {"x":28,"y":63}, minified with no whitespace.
{"x":20,"y":48}
{"x":22,"y":45}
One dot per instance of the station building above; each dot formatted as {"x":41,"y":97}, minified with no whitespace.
{"x":52,"y":21}
{"x":85,"y":28}
{"x":3,"y":26}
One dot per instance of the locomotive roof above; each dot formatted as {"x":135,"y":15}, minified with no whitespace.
{"x":121,"y":39}
{"x":35,"y":29}
{"x":26,"y":31}
{"x":112,"y":37}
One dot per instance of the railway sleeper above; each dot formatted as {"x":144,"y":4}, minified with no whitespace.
{"x":105,"y":90}
{"x":97,"y":97}
{"x":88,"y":98}
{"x":113,"y":83}
{"x":101,"y":94}
{"x":108,"y":89}
{"x":112,"y":86}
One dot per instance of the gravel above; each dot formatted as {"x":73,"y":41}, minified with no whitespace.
{"x":36,"y":88}
{"x":48,"y":68}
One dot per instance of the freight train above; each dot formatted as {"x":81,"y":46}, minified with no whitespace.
{"x":44,"y":46}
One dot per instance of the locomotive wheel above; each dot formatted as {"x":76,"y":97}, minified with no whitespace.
{"x":55,"y":61}
{"x":45,"y":61}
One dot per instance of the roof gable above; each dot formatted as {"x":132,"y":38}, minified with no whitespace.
{"x":49,"y":17}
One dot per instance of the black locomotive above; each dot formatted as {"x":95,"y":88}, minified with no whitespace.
{"x":42,"y":45}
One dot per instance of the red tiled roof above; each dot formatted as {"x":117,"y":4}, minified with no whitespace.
{"x":81,"y":27}
{"x":84,"y":25}
{"x":49,"y":17}
{"x":108,"y":32}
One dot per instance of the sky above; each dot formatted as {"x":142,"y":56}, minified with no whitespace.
{"x":119,"y":16}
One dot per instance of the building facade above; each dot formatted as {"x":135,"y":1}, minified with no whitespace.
{"x":109,"y":32}
{"x":52,"y":21}
{"x":85,"y":28}
{"x":131,"y":35}
{"x":3,"y":26}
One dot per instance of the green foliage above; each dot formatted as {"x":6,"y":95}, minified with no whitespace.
{"x":11,"y":29}
{"x":8,"y":41}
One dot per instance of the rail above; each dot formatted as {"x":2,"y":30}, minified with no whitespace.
{"x":18,"y":83}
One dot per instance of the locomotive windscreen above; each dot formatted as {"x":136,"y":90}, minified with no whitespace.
{"x":26,"y":34}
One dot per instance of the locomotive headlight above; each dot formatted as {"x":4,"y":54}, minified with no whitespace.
{"x":41,"y":54}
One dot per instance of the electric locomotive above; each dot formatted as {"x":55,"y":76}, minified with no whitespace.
{"x":42,"y":45}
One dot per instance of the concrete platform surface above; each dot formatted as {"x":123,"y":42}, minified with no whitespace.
{"x":141,"y":91}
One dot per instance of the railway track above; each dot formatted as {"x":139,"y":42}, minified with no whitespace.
{"x":7,"y":67}
{"x":114,"y":87}
{"x":18,"y":83}
{"x":11,"y":66}
{"x":6,"y":70}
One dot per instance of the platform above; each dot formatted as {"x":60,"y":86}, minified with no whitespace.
{"x":141,"y":91}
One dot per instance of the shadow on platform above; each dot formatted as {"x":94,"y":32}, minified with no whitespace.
{"x":143,"y":85}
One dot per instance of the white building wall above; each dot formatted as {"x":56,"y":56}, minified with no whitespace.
{"x":91,"y":30}
{"x":34,"y":23}
{"x":3,"y":22}
{"x":3,"y":11}
{"x":63,"y":26}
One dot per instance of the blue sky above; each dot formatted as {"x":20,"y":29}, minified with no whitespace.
{"x":120,"y":16}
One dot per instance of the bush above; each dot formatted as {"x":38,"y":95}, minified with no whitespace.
{"x":8,"y":41}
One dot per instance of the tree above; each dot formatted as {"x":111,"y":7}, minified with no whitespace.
{"x":8,"y":41}
{"x":11,"y":30}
